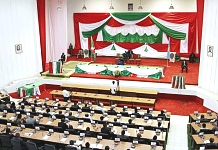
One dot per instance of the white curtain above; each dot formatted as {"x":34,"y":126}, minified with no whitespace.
{"x":56,"y":29}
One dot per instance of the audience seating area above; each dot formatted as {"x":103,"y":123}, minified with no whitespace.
{"x":149,"y":128}
{"x":203,"y":130}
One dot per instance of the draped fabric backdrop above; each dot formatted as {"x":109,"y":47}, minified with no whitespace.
{"x":135,"y":31}
{"x":56,"y":29}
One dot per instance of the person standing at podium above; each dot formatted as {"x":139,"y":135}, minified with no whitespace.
{"x":66,"y":95}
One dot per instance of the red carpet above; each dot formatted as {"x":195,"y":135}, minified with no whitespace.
{"x":191,"y":77}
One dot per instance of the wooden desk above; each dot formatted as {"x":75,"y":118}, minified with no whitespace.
{"x":123,"y":90}
{"x":110,"y":98}
{"x":197,"y":140}
{"x":56,"y":138}
{"x":196,"y":127}
{"x":193,"y":118}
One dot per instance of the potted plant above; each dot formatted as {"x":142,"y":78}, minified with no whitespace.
{"x":116,"y":73}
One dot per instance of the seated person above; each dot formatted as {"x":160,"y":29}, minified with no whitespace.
{"x":89,"y":133}
{"x":87,"y":146}
{"x":72,"y":145}
{"x":101,"y":121}
{"x":107,"y":148}
{"x":101,"y":107}
{"x":2,"y":106}
{"x":184,"y":65}
{"x":105,"y":129}
{"x":123,"y":137}
{"x":120,"y":62}
{"x":60,"y":115}
{"x":87,"y":116}
{"x":71,"y":117}
{"x":8,"y":132}
{"x":154,"y":139}
{"x":62,"y":124}
{"x":130,"y":122}
{"x":162,"y":114}
{"x":12,"y":106}
{"x":63,"y":58}
{"x":24,"y":101}
{"x":139,"y":139}
{"x":111,"y":111}
{"x":31,"y":120}
{"x":202,"y":119}
{"x":20,"y":140}
{"x":192,"y":57}
{"x":86,"y":108}
{"x":19,"y":120}
{"x":211,"y":145}
{"x":80,"y":54}
{"x":148,"y":114}
{"x":74,"y":107}
{"x":205,"y":129}
{"x":66,"y":95}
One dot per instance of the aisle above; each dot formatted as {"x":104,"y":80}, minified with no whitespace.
{"x":177,"y":136}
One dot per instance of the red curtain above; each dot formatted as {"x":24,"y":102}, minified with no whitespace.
{"x":42,"y":30}
{"x":85,"y":18}
{"x":200,"y":14}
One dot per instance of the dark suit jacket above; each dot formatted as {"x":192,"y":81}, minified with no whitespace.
{"x":184,"y":64}
{"x":22,"y":142}
{"x":211,"y":146}
{"x":63,"y":125}
{"x":105,"y":130}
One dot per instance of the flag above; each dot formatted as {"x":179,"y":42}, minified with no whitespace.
{"x":168,"y":50}
{"x":55,"y":67}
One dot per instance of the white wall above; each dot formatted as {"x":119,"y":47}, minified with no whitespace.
{"x":208,"y":74}
{"x":75,"y":6}
{"x":19,"y":25}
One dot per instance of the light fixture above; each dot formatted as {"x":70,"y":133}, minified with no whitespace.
{"x":140,"y":6}
{"x":59,"y":7}
{"x":111,"y":7}
{"x":84,"y":6}
{"x":171,"y":6}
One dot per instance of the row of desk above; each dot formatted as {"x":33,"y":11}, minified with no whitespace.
{"x":58,"y":138}
{"x":112,"y":98}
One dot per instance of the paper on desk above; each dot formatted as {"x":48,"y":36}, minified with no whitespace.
{"x":39,"y":103}
{"x":28,"y":134}
{"x":49,"y":122}
{"x":79,"y":127}
{"x":132,"y":148}
{"x":149,"y":121}
{"x":63,"y":139}
{"x":202,"y":148}
{"x":45,"y":137}
{"x":127,"y":133}
{"x":98,"y":146}
{"x":106,"y":119}
{"x":78,"y":142}
{"x":206,"y":141}
{"x":12,"y":118}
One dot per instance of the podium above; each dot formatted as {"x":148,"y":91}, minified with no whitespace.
{"x":55,"y":67}
{"x":30,"y":89}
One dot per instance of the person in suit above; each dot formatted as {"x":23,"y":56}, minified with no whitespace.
{"x":74,"y":107}
{"x":123,"y":137}
{"x":22,"y":142}
{"x":2,"y":106}
{"x":202,"y":119}
{"x":139,"y":139}
{"x":87,"y":146}
{"x":71,"y":144}
{"x":192,"y":57}
{"x":31,"y":120}
{"x":147,"y":114}
{"x":71,"y":117}
{"x":63,"y":58}
{"x":62,"y":124}
{"x":60,"y":115}
{"x":211,"y":145}
{"x":184,"y":65}
{"x":154,"y":139}
{"x":162,"y":114}
{"x":88,"y":133}
{"x":24,"y":101}
{"x":105,"y":129}
{"x":12,"y":106}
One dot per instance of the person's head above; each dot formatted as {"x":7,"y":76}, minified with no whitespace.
{"x":102,"y":118}
{"x":162,"y":112}
{"x":87,"y":145}
{"x":19,"y":116}
{"x":62,"y":120}
{"x":62,"y":54}
{"x":48,"y":110}
{"x":154,"y":137}
{"x":35,"y":101}
{"x":202,"y":116}
{"x":22,"y":107}
{"x":104,"y":125}
{"x":204,"y":125}
{"x":60,"y":112}
{"x":8,"y":130}
{"x":70,"y":113}
{"x":130,"y":121}
{"x":211,"y":140}
{"x":113,"y":82}
{"x":75,"y":103}
{"x":115,"y":119}
{"x":139,"y":135}
{"x":12,"y":104}
{"x":86,"y":115}
{"x":159,"y":124}
{"x":123,"y":132}
{"x":71,"y":142}
{"x":17,"y":135}
{"x":107,"y":148}
{"x":88,"y":129}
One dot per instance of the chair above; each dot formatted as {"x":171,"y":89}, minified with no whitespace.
{"x":80,"y":54}
{"x":46,"y":115}
{"x":5,"y":141}
{"x":49,"y":147}
{"x":59,"y":116}
{"x":138,"y":59}
{"x":112,"y":113}
{"x":98,"y":111}
{"x":124,"y":114}
{"x":70,"y":148}
{"x":131,"y":126}
{"x":58,"y":129}
{"x":32,"y":146}
{"x":16,"y":145}
{"x":206,"y":131}
{"x":131,"y":60}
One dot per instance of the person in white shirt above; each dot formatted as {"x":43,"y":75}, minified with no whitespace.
{"x":113,"y":88}
{"x":66,"y":95}
{"x":101,"y":107}
{"x":72,"y":145}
